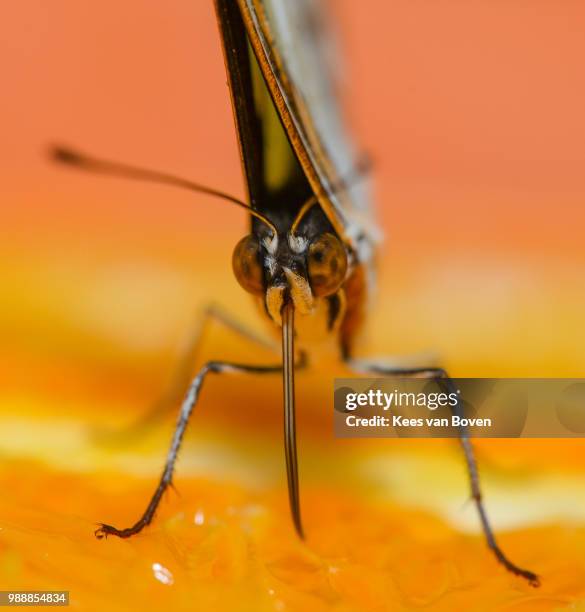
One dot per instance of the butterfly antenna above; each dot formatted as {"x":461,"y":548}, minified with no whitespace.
{"x":361,"y":169}
{"x":76,"y":159}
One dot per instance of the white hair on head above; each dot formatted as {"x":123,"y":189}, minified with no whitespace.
{"x":270,"y":263}
{"x":270,"y":243}
{"x":298,"y":244}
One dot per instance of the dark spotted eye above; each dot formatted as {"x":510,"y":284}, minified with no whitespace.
{"x":327,"y":263}
{"x":246,"y":265}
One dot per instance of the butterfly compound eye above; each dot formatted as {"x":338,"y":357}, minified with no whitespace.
{"x":327,"y":264}
{"x":246,"y":265}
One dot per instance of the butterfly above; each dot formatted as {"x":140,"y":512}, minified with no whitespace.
{"x":308,"y":259}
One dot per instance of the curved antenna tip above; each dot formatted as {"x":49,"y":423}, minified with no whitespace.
{"x":62,"y":154}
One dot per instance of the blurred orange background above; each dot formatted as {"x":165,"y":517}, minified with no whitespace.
{"x":473,"y":114}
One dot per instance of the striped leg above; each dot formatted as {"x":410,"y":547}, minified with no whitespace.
{"x":211,"y":367}
{"x":441,"y":375}
{"x":183,"y":373}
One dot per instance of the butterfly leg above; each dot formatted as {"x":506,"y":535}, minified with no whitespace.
{"x":211,"y":367}
{"x":183,"y":373}
{"x":441,"y":375}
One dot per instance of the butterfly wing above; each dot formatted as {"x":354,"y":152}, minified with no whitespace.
{"x":275,"y":181}
{"x":287,"y":43}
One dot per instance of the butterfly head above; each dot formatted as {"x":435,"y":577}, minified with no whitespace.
{"x":290,"y":267}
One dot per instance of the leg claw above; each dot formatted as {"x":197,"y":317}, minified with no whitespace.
{"x":104,"y":531}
